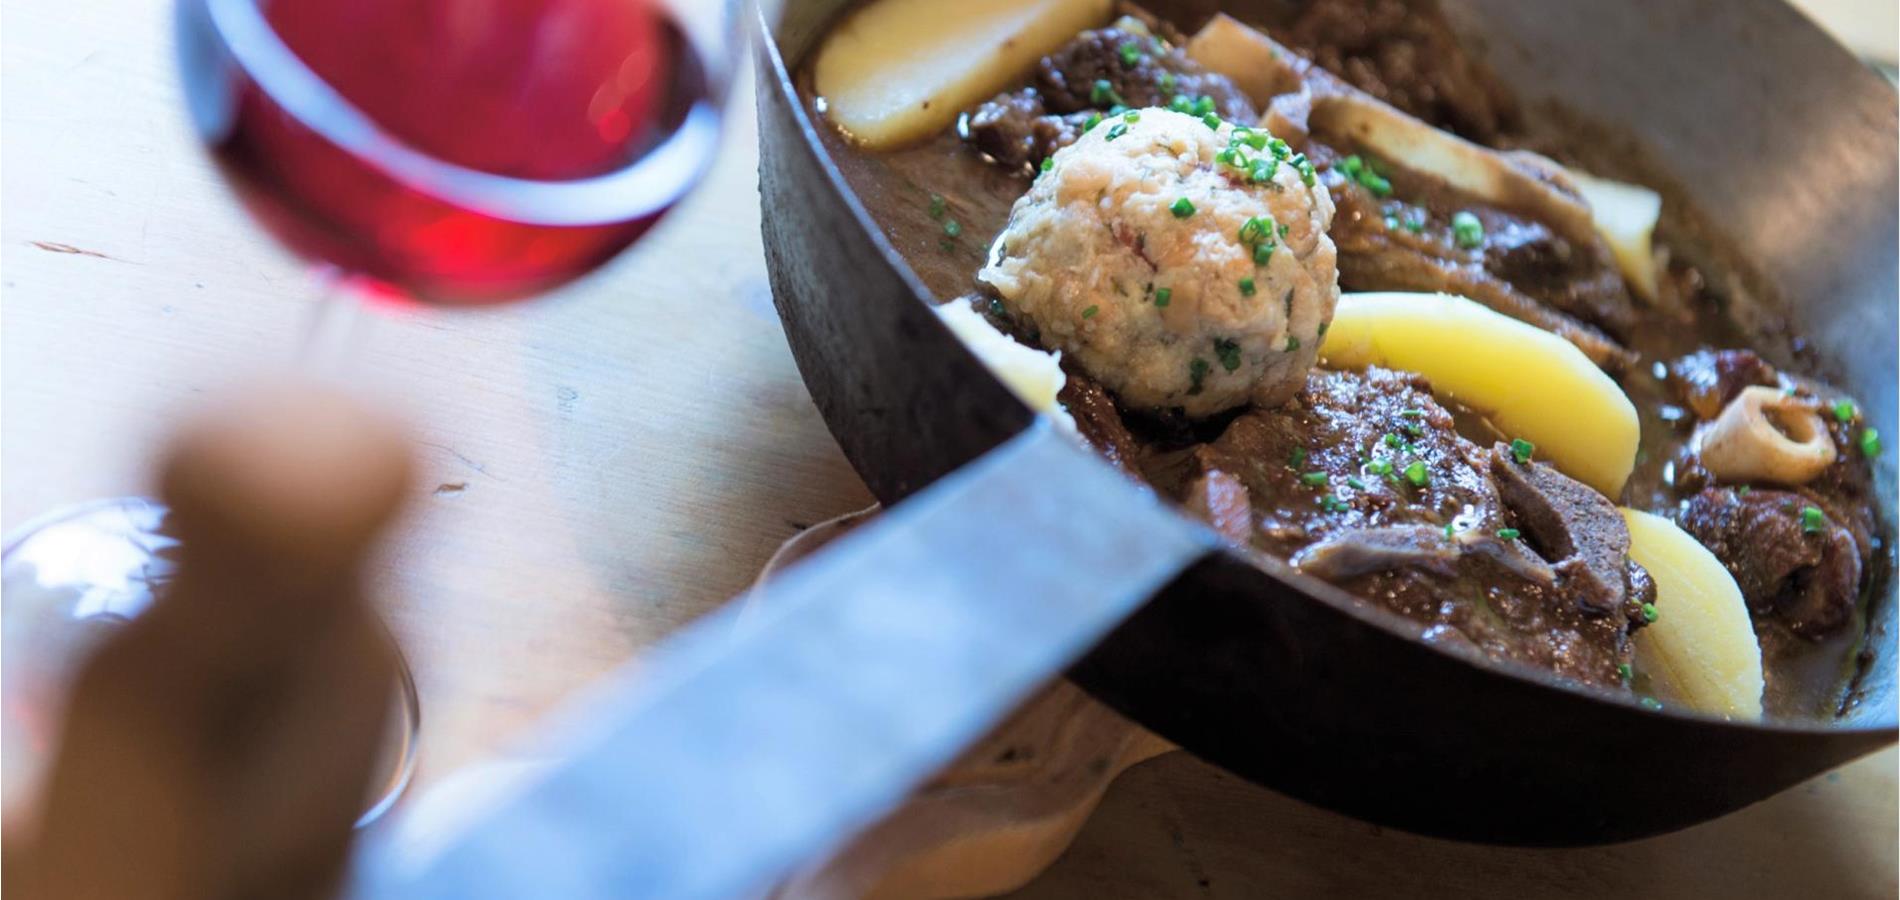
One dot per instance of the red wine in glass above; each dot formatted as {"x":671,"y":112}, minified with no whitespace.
{"x":454,"y":151}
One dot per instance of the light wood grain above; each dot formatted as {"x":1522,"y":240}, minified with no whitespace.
{"x":611,"y":462}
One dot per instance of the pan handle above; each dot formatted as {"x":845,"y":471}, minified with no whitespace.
{"x":728,"y":756}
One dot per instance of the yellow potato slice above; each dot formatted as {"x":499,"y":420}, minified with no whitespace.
{"x":1701,"y":651}
{"x":1625,"y":215}
{"x":897,"y":71}
{"x":1530,"y":383}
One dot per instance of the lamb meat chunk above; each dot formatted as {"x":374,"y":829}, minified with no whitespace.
{"x":1405,"y":53}
{"x":1332,"y":485}
{"x":1020,"y":128}
{"x":1572,"y":524}
{"x":1219,"y":499}
{"x":1805,"y":574}
{"x":1098,"y":420}
{"x":1017,"y":131}
{"x":1705,"y":381}
{"x":1139,"y":71}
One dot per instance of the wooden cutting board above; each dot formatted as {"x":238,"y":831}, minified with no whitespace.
{"x":609,"y":463}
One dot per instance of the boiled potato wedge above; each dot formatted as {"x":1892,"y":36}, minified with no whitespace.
{"x":898,"y":71}
{"x":1701,"y":651}
{"x":1625,"y":215}
{"x":1530,"y":383}
{"x":1034,"y":376}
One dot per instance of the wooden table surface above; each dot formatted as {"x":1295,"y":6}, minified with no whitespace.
{"x":610,"y":462}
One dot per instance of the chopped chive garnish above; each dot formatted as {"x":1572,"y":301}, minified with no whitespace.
{"x":1521,"y":450}
{"x":1355,"y":483}
{"x":1392,"y":440}
{"x":1508,"y":534}
{"x":1262,"y":170}
{"x":1163,"y":296}
{"x":1048,"y":162}
{"x":1211,"y":121}
{"x":1197,"y":373}
{"x":1303,"y":166}
{"x":1649,"y":612}
{"x":1116,"y":130}
{"x":1313,"y":479}
{"x":1812,"y":520}
{"x":1380,"y":467}
{"x":1131,"y":54}
{"x":1624,"y":672}
{"x":1132,"y":116}
{"x":953,"y":228}
{"x":1246,"y":287}
{"x":1225,"y":157}
{"x":1103,"y":94}
{"x":1651,"y":703}
{"x":1844,"y":411}
{"x":937,"y":206}
{"x":1228,"y":352}
{"x":1090,"y":312}
{"x":1322,"y":328}
{"x":1466,"y":230}
{"x":1417,"y":474}
{"x":1181,"y":104}
{"x":1182,"y":208}
{"x":1166,"y":81}
{"x":1263,"y":252}
{"x":1412,"y":413}
{"x":1292,"y":343}
{"x":1870,"y":443}
{"x":1094,"y":120}
{"x":1203,"y":105}
{"x":1331,"y":503}
{"x":1296,"y":457}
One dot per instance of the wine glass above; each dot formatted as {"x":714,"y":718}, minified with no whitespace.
{"x":445,"y":152}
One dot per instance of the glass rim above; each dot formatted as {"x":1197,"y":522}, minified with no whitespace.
{"x":644,"y":187}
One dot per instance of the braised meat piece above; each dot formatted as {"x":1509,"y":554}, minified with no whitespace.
{"x":1097,"y":419}
{"x":1403,"y":52}
{"x":1705,"y":381}
{"x":1107,"y":67}
{"x":1791,"y":559}
{"x":1364,"y":481}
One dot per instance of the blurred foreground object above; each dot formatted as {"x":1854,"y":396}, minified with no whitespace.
{"x":220,"y":744}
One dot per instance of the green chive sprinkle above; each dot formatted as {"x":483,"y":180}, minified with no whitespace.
{"x":1292,"y":343}
{"x":1115,"y":131}
{"x":1466,"y":230}
{"x":1263,"y":252}
{"x":1392,"y":440}
{"x":1417,"y":474}
{"x":1211,"y":121}
{"x":1181,"y":104}
{"x":1624,"y":672}
{"x":1197,"y":373}
{"x":1649,"y":612}
{"x":937,"y":206}
{"x":1090,"y":312}
{"x":1322,"y":328}
{"x":1844,"y":411}
{"x":1355,"y":483}
{"x":1508,"y":534}
{"x":1313,"y":479}
{"x":1651,"y":703}
{"x":1379,"y":467}
{"x":1246,"y":287}
{"x":1870,"y":443}
{"x":1228,"y":352}
{"x":1103,"y":93}
{"x":1166,"y":81}
{"x":1225,"y":157}
{"x":1296,"y":457}
{"x":1163,"y":296}
{"x":1812,"y":520}
{"x":1182,"y":208}
{"x":1131,"y":54}
{"x":1048,"y":162}
{"x":1203,"y":105}
{"x":1521,"y":450}
{"x":1094,"y":120}
{"x":953,"y":228}
{"x":1412,"y":413}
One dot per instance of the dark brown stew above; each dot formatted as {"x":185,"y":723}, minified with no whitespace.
{"x":1538,"y":572}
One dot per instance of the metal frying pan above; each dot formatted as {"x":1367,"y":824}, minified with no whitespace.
{"x":1776,"y":132}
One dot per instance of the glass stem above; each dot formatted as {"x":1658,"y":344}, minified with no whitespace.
{"x":335,"y":330}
